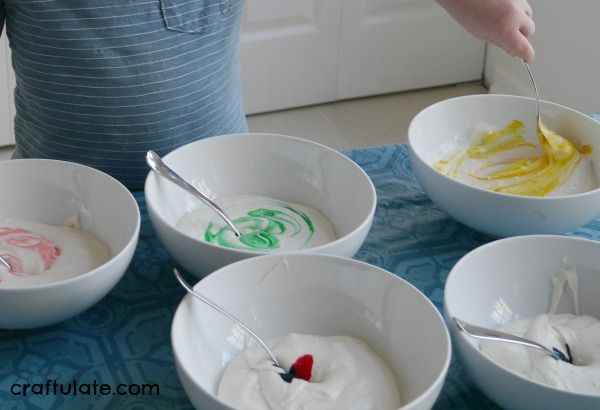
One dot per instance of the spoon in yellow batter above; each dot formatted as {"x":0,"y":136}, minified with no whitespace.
{"x":559,"y":144}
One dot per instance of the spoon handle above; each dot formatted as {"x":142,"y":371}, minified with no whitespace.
{"x":5,"y":263}
{"x":537,"y":95}
{"x":158,"y":166}
{"x":495,"y":335}
{"x":226,"y":314}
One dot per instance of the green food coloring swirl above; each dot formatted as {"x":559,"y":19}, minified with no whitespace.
{"x":262,"y":229}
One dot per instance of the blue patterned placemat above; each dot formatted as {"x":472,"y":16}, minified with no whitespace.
{"x":124,"y":339}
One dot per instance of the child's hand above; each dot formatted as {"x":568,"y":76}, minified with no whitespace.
{"x":505,"y":23}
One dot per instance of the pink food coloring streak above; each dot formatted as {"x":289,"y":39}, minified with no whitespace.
{"x":23,"y":239}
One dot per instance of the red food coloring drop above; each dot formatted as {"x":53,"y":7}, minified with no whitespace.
{"x":302,"y":367}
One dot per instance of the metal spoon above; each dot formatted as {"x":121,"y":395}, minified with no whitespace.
{"x":550,"y":136}
{"x":219,"y":309}
{"x":537,"y":96}
{"x":497,"y":336}
{"x":158,"y":166}
{"x":5,"y":263}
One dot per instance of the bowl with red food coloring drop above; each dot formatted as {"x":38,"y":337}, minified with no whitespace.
{"x":52,"y":193}
{"x":321,"y":295}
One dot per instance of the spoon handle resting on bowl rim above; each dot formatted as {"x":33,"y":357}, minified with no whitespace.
{"x":158,"y":166}
{"x":225,"y":313}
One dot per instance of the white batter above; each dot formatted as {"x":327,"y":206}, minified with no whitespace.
{"x":581,"y":333}
{"x":266,"y":224}
{"x":41,"y":253}
{"x":347,"y":375}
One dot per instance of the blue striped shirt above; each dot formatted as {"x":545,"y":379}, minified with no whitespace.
{"x":102,"y":82}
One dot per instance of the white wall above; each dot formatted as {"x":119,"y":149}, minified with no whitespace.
{"x":567,"y":63}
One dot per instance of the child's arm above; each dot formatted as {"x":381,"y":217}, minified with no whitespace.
{"x":505,"y":23}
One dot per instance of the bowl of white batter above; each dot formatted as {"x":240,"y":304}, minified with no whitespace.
{"x":479,"y":159}
{"x":285,"y":194}
{"x":541,"y":287}
{"x":68,"y":233}
{"x":376,"y":341}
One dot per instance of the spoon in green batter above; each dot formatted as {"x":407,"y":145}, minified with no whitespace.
{"x":158,"y":166}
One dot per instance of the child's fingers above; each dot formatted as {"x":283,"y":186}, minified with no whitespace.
{"x":518,"y":45}
{"x":527,"y":27}
{"x":528,"y":10}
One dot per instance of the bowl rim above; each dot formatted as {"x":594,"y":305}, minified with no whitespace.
{"x":81,"y":277}
{"x":249,"y":253}
{"x":188,"y":299}
{"x":453,"y":181}
{"x":476,"y":349}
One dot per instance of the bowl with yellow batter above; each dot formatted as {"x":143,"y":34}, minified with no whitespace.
{"x":481,"y":159}
{"x":284,"y":194}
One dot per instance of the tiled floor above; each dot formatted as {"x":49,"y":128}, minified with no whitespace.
{"x":358,"y":123}
{"x":353,"y":123}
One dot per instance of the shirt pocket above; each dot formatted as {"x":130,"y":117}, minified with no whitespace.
{"x":193,"y":16}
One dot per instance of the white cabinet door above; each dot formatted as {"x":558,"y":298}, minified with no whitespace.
{"x":289,"y":53}
{"x":301,"y":52}
{"x":7,"y":84}
{"x":396,"y":45}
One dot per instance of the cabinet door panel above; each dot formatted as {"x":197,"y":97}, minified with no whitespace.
{"x":289,"y":53}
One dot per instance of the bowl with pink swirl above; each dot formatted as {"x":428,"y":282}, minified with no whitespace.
{"x":67,"y":232}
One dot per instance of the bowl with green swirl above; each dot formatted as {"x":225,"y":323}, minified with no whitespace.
{"x":284,"y":194}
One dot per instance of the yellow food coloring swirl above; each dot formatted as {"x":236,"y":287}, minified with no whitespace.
{"x":535,"y":174}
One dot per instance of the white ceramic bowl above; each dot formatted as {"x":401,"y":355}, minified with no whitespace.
{"x":312,"y":294}
{"x":51,"y":191}
{"x":276,"y":166}
{"x":496,"y":213}
{"x":511,"y":279}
